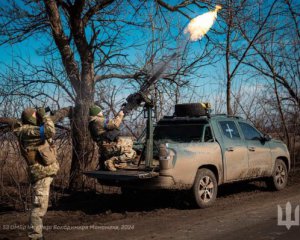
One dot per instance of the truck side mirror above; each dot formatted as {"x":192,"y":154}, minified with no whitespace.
{"x":266,"y":137}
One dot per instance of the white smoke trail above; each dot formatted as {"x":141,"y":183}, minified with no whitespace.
{"x":201,"y":24}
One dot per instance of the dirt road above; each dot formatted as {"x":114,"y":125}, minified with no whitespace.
{"x":242,"y":211}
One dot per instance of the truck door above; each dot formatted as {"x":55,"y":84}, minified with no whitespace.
{"x":234,"y":150}
{"x":260,"y":158}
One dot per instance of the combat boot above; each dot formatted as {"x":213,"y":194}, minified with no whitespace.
{"x":109,"y":165}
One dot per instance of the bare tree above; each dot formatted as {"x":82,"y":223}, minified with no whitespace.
{"x":275,"y":55}
{"x":91,"y":40}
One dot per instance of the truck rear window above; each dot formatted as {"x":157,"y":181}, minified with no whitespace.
{"x":179,"y":132}
{"x":230,"y":130}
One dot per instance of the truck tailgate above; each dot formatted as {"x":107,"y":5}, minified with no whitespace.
{"x":121,"y":175}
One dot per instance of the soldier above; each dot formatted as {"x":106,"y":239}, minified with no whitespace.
{"x":35,"y":133}
{"x":114,"y":151}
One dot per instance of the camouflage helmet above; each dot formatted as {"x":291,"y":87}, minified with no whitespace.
{"x":95,"y":110}
{"x":27,"y":116}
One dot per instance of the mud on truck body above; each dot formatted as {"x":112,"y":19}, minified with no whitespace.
{"x":196,"y":151}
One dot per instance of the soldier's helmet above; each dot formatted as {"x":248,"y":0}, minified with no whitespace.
{"x":95,"y":110}
{"x":27,"y":116}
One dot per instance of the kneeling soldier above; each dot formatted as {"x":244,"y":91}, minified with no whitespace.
{"x":114,"y":151}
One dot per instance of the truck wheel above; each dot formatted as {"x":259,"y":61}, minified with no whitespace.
{"x":189,"y":109}
{"x":205,"y":188}
{"x":279,"y":179}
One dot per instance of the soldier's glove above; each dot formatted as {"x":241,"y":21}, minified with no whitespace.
{"x":121,"y":113}
{"x":48,"y":109}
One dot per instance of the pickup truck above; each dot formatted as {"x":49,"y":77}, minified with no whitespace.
{"x":202,"y":151}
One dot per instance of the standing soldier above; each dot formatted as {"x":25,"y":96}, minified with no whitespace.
{"x":35,"y":133}
{"x":114,"y":151}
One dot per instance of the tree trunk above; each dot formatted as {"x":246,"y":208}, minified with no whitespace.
{"x":228,"y":52}
{"x":285,"y":129}
{"x":81,"y":140}
{"x":228,"y":97}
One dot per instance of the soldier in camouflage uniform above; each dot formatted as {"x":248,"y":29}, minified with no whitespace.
{"x":35,"y":133}
{"x":114,"y":152}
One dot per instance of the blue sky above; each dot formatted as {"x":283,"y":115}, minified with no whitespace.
{"x":211,"y":76}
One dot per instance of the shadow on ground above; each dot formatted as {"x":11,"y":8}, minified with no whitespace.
{"x":96,"y":203}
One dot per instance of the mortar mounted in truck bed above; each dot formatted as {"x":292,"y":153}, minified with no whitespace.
{"x":195,"y":150}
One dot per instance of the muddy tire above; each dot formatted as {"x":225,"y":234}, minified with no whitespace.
{"x":205,"y":188}
{"x":189,"y":109}
{"x":279,"y":179}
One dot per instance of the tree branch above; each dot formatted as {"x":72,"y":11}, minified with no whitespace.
{"x":96,"y":8}
{"x":108,"y":76}
{"x":62,"y":43}
{"x":175,"y":8}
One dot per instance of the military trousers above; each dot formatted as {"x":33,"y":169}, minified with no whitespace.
{"x":117,"y":152}
{"x":41,"y":190}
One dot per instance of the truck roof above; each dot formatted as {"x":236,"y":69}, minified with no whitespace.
{"x":192,"y":119}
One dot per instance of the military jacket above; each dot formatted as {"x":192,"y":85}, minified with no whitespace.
{"x":100,"y":126}
{"x":38,"y":149}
